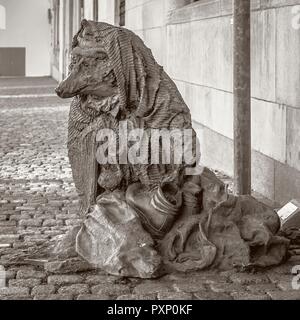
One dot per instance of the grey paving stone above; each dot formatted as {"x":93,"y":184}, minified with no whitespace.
{"x":10,"y":274}
{"x":98,"y":279}
{"x":93,"y":297}
{"x":43,"y":290}
{"x":202,"y":277}
{"x":174,"y":296}
{"x":285,"y":295}
{"x":73,"y":222}
{"x":226,"y":287}
{"x":246,"y":278}
{"x":137,"y":297}
{"x":249,"y":296}
{"x":52,"y":222}
{"x":16,"y":298}
{"x":53,"y":297}
{"x":64,"y":279}
{"x":74,"y":289}
{"x":7,"y":223}
{"x":26,"y":208}
{"x":188,"y":287}
{"x":149,"y":286}
{"x":261,"y":288}
{"x":17,"y":217}
{"x":30,"y":223}
{"x":14,"y":291}
{"x":28,"y":274}
{"x":9,"y":238}
{"x":8,"y":230}
{"x":71,"y":265}
{"x":111,"y":289}
{"x":24,"y":282}
{"x":208,"y":295}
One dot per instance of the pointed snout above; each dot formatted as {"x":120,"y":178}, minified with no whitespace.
{"x":59,"y":91}
{"x":63,"y":92}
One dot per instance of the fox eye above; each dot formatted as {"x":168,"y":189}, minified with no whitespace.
{"x":85,"y":64}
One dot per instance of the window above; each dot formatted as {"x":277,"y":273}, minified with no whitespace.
{"x":95,"y":10}
{"x":122,"y":13}
{"x":2,"y":18}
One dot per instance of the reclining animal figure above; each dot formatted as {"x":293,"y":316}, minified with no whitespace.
{"x":192,"y":220}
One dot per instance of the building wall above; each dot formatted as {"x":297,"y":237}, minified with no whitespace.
{"x":88,"y":9}
{"x":107,"y":11}
{"x":148,"y":20}
{"x":27,"y":26}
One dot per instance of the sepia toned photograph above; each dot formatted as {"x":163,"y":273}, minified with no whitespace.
{"x":149,"y":150}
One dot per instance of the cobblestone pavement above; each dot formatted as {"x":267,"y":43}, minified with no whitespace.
{"x":38,"y":201}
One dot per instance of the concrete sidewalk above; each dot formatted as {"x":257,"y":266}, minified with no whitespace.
{"x":38,"y":201}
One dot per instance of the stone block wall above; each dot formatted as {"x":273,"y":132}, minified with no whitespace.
{"x":148,"y":19}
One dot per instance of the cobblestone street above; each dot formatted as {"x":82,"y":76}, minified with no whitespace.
{"x":38,"y":201}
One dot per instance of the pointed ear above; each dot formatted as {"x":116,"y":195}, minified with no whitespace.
{"x":84,"y":23}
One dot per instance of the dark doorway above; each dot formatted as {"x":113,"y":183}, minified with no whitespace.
{"x":12,"y":62}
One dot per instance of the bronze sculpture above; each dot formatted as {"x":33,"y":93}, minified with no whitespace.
{"x":145,"y":218}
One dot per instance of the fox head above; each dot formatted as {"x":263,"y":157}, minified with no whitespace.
{"x":90,"y":72}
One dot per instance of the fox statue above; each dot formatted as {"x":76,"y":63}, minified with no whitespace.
{"x":142,"y":218}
